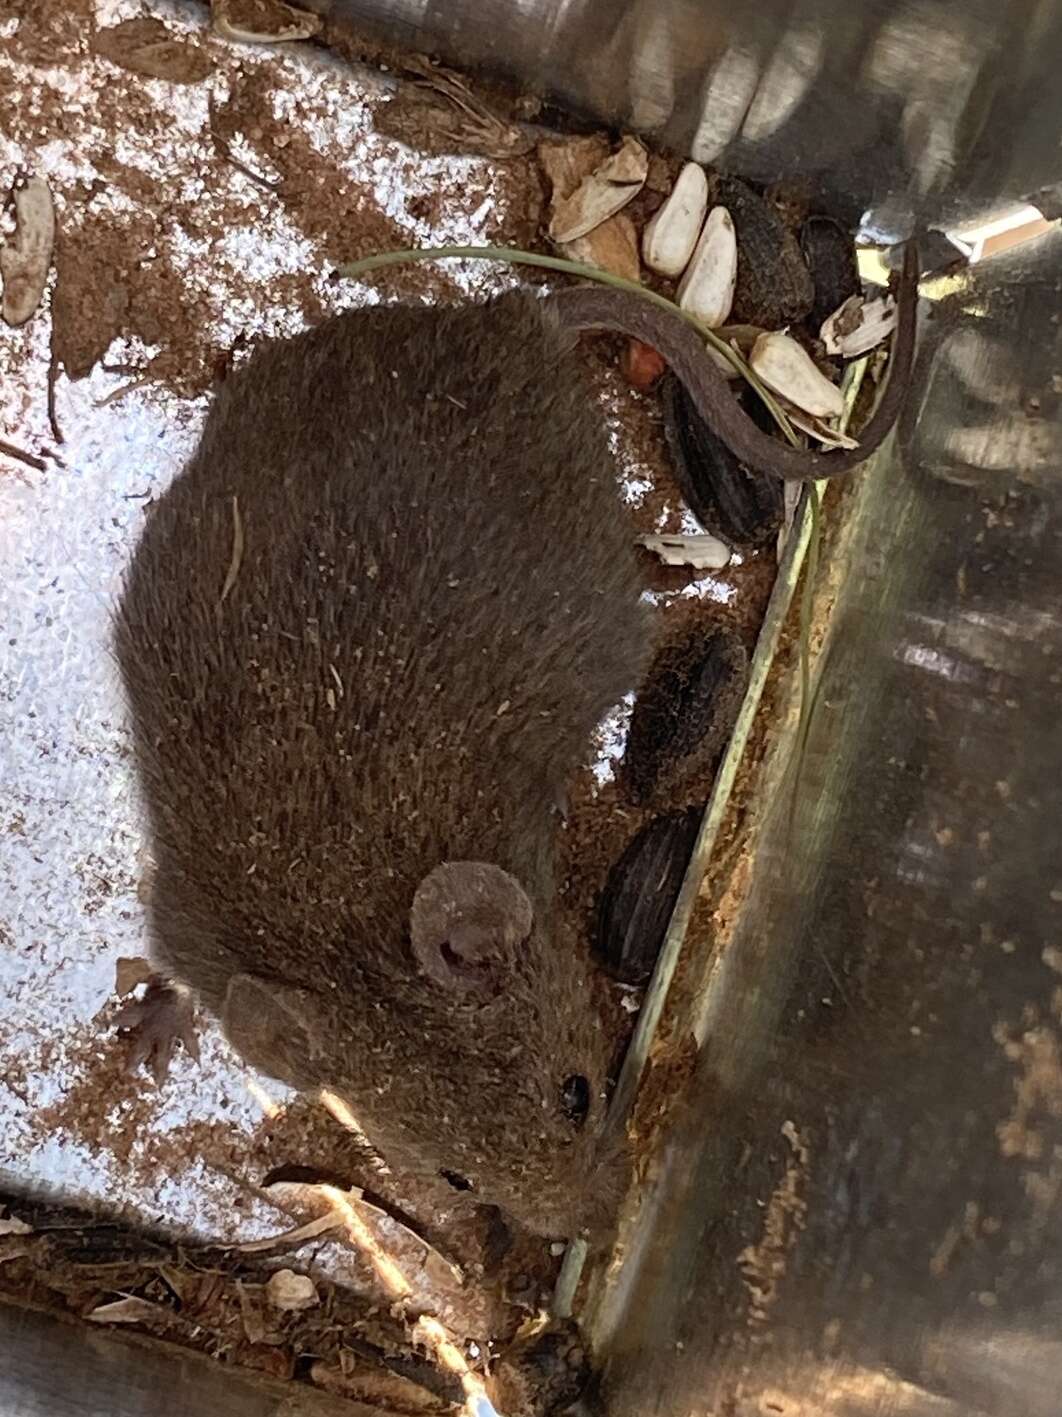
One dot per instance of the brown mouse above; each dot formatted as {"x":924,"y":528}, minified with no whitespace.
{"x":365,"y":638}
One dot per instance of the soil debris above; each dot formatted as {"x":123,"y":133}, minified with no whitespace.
{"x":147,"y":47}
{"x":442,"y":115}
{"x":291,"y":1292}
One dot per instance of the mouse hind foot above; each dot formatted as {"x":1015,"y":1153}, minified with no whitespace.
{"x":156,"y":1023}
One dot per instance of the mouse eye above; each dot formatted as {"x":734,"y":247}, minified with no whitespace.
{"x":575,"y":1098}
{"x":455,"y":1179}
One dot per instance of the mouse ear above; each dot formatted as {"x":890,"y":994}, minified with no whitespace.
{"x":269,"y":1026}
{"x":467,"y":921}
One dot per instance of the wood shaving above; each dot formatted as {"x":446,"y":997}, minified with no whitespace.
{"x":127,"y":1311}
{"x":25,"y":260}
{"x":288,"y":1239}
{"x":262,"y":21}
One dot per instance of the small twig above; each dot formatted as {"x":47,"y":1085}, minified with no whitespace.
{"x":53,"y":417}
{"x":288,"y":1239}
{"x":460,"y":95}
{"x":230,"y":157}
{"x":237,"y":553}
{"x":367,"y":1200}
{"x":121,"y":392}
{"x":224,"y":149}
{"x":30,"y":459}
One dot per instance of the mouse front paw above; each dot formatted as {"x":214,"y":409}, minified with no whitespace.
{"x":155,"y":1023}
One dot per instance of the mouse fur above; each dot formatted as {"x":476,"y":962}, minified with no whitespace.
{"x":350,"y":749}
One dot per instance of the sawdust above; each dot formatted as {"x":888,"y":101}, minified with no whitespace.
{"x":763,"y":1265}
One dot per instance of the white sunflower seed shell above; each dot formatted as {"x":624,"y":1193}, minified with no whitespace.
{"x":27,"y":256}
{"x":707,"y":288}
{"x":787,"y":369}
{"x":671,"y":234}
{"x":702,"y":552}
{"x":858,"y":326}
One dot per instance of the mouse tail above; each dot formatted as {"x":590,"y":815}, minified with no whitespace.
{"x":592,"y":307}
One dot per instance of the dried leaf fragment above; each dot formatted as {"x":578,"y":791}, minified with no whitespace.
{"x":25,"y":259}
{"x":262,"y":21}
{"x":612,"y":246}
{"x":254,"y":1325}
{"x":445,"y":116}
{"x":145,"y":46}
{"x":607,"y":189}
{"x":129,"y":972}
{"x":290,"y":1291}
{"x":128,"y":1311}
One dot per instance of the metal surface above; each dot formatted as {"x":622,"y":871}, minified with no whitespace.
{"x":892,"y":107}
{"x":861,"y":1210}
